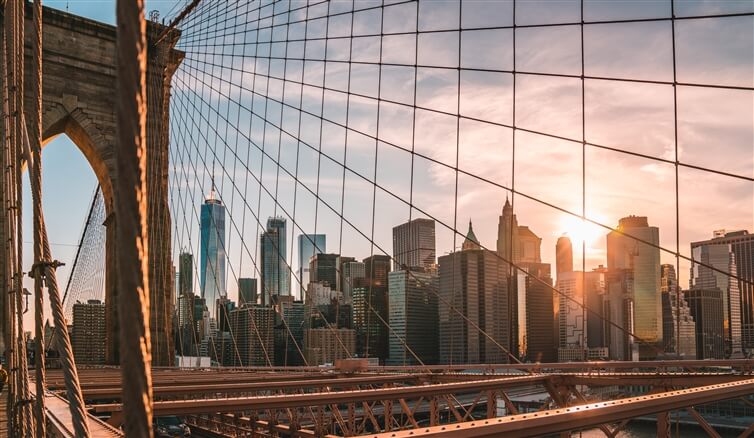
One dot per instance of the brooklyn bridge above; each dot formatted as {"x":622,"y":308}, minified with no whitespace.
{"x":229,"y":140}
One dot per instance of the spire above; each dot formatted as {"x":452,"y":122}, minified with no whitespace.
{"x":507,"y":207}
{"x":212,"y":197}
{"x":471,"y":241}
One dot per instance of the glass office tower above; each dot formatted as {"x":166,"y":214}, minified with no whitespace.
{"x":212,"y":261}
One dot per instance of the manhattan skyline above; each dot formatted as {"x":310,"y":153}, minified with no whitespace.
{"x":546,"y":168}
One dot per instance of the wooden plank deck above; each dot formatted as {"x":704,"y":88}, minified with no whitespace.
{"x":3,"y":411}
{"x":59,"y":414}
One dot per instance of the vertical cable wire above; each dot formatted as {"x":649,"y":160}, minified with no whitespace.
{"x":677,"y":198}
{"x":131,"y":214}
{"x":585,"y":353}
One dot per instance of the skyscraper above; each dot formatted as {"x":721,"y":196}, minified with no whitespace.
{"x":563,"y":255}
{"x":370,"y":306}
{"x":535,"y":313}
{"x":413,"y":317}
{"x":581,"y":333}
{"x":252,"y":327}
{"x":507,"y":234}
{"x":247,"y":291}
{"x":731,"y":253}
{"x":212,"y":258}
{"x":185,"y":330}
{"x":707,"y":309}
{"x":324,"y":268}
{"x":350,"y":271}
{"x":508,"y":250}
{"x":414,"y":244}
{"x":678,"y":326}
{"x":634,"y":288}
{"x":308,"y":246}
{"x":473,"y":282}
{"x":185,"y":273}
{"x":538,"y":307}
{"x":276,"y":275}
{"x":289,"y":332}
{"x":529,"y":245}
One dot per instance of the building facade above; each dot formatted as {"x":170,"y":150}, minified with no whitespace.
{"x":326,"y":345}
{"x":308,"y":246}
{"x":89,"y":331}
{"x":529,"y":245}
{"x":634,"y":289}
{"x":473,"y":298}
{"x":212,"y":257}
{"x":414,"y":245}
{"x":581,"y":332}
{"x":252,"y":326}
{"x":413,"y":317}
{"x":247,"y":291}
{"x":726,"y":262}
{"x":276,"y":274}
{"x":350,"y":270}
{"x":185,"y":273}
{"x":289,"y":332}
{"x":563,"y":255}
{"x":507,"y":234}
{"x":370,"y":308}
{"x":538,"y":343}
{"x":325,"y":269}
{"x":707,"y":309}
{"x":678,"y":326}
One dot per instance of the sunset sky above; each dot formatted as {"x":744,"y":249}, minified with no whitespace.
{"x":715,"y":128}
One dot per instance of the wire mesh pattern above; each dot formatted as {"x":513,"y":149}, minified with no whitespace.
{"x":87,"y":278}
{"x":349,"y":118}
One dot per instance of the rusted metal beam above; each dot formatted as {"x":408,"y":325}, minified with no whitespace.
{"x":703,"y":422}
{"x":580,"y":417}
{"x":236,"y":404}
{"x":111,"y":393}
{"x":654,"y":379}
{"x":743,"y":364}
{"x":747,"y":433}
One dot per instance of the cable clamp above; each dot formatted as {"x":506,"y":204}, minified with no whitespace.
{"x":24,"y":401}
{"x":41,"y":265}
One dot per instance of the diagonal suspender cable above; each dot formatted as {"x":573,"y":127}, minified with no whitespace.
{"x":36,"y":152}
{"x":131,"y":219}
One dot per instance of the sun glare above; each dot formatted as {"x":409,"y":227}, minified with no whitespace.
{"x":581,"y":231}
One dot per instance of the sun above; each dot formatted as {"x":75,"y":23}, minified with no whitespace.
{"x":581,"y":231}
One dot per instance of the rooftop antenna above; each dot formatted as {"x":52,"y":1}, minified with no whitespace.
{"x":212,"y":177}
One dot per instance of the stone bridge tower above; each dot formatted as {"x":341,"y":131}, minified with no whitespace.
{"x":79,"y":94}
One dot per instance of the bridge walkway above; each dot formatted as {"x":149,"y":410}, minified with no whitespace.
{"x":4,"y":411}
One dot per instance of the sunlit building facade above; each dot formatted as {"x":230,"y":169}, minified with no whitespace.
{"x":634,"y":289}
{"x":563,"y":255}
{"x":731,"y":254}
{"x":580,"y":330}
{"x":89,"y":332}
